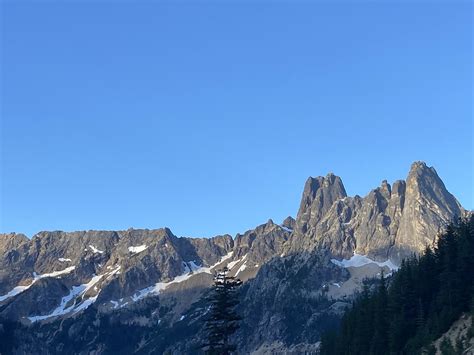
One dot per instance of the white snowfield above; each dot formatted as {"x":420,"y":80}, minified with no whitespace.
{"x":75,"y":298}
{"x":224,"y":258}
{"x":242,"y":268}
{"x":77,"y":291}
{"x":137,"y":249}
{"x":231,"y":265}
{"x":358,"y":260}
{"x":19,"y":289}
{"x":286,"y":229}
{"x":64,"y":260}
{"x":190,"y":270}
{"x":95,"y":250}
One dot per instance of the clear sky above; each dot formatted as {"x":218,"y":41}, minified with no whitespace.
{"x":208,"y":118}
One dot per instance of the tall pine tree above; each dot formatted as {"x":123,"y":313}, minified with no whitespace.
{"x":222,"y":320}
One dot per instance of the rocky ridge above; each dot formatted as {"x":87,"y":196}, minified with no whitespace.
{"x":391,"y":222}
{"x":154,"y":279}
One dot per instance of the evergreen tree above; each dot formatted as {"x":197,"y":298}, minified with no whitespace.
{"x":222,"y":320}
{"x":7,"y":336}
{"x":379,"y":343}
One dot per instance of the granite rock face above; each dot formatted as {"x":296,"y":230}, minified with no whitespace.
{"x":390,"y":222}
{"x":285,"y":301}
{"x":428,"y":207}
{"x":289,"y":223}
{"x":318,"y":197}
{"x":106,"y":266}
{"x":256,"y":247}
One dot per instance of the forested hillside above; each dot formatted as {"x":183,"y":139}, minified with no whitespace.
{"x":421,"y":302}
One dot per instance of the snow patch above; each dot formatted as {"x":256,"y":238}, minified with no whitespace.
{"x":191,"y":269}
{"x":242,"y":268}
{"x":137,"y":249}
{"x":76,"y":292}
{"x":64,"y":260}
{"x":224,"y":258}
{"x":233,"y":263}
{"x":190,"y":266}
{"x":358,"y":260}
{"x":19,"y":289}
{"x":286,"y":229}
{"x":54,"y":273}
{"x":115,"y":271}
{"x":95,"y":250}
{"x":15,"y":291}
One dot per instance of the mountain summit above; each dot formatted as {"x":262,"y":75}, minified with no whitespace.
{"x":390,"y":222}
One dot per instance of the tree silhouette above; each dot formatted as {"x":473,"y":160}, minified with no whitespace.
{"x":222,"y":320}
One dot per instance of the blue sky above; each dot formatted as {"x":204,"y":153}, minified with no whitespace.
{"x":208,"y":118}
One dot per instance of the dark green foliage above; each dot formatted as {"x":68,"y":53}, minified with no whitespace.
{"x":425,"y":297}
{"x":7,"y":339}
{"x":222,"y":320}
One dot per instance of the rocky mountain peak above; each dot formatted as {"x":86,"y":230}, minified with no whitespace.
{"x":425,"y":179}
{"x":399,"y":187}
{"x":319,"y":194}
{"x":424,"y":186}
{"x":11,"y":241}
{"x":420,"y":166}
{"x":289,"y":223}
{"x":385,"y":189}
{"x":428,"y":207}
{"x":389,"y":222}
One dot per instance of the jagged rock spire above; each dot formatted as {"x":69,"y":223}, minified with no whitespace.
{"x":318,"y":196}
{"x":389,"y":222}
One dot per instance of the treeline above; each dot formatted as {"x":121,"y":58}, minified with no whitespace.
{"x":424,"y":298}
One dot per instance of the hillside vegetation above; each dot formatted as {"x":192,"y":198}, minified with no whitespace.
{"x":424,"y":298}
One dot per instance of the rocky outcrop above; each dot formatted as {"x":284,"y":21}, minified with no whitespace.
{"x":318,"y":197}
{"x":101,"y":267}
{"x":289,"y":223}
{"x":428,"y":207}
{"x":256,"y":247}
{"x":11,"y":241}
{"x":388,"y":223}
{"x":286,"y":302}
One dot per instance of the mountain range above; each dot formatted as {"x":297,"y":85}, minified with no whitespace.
{"x":142,"y":291}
